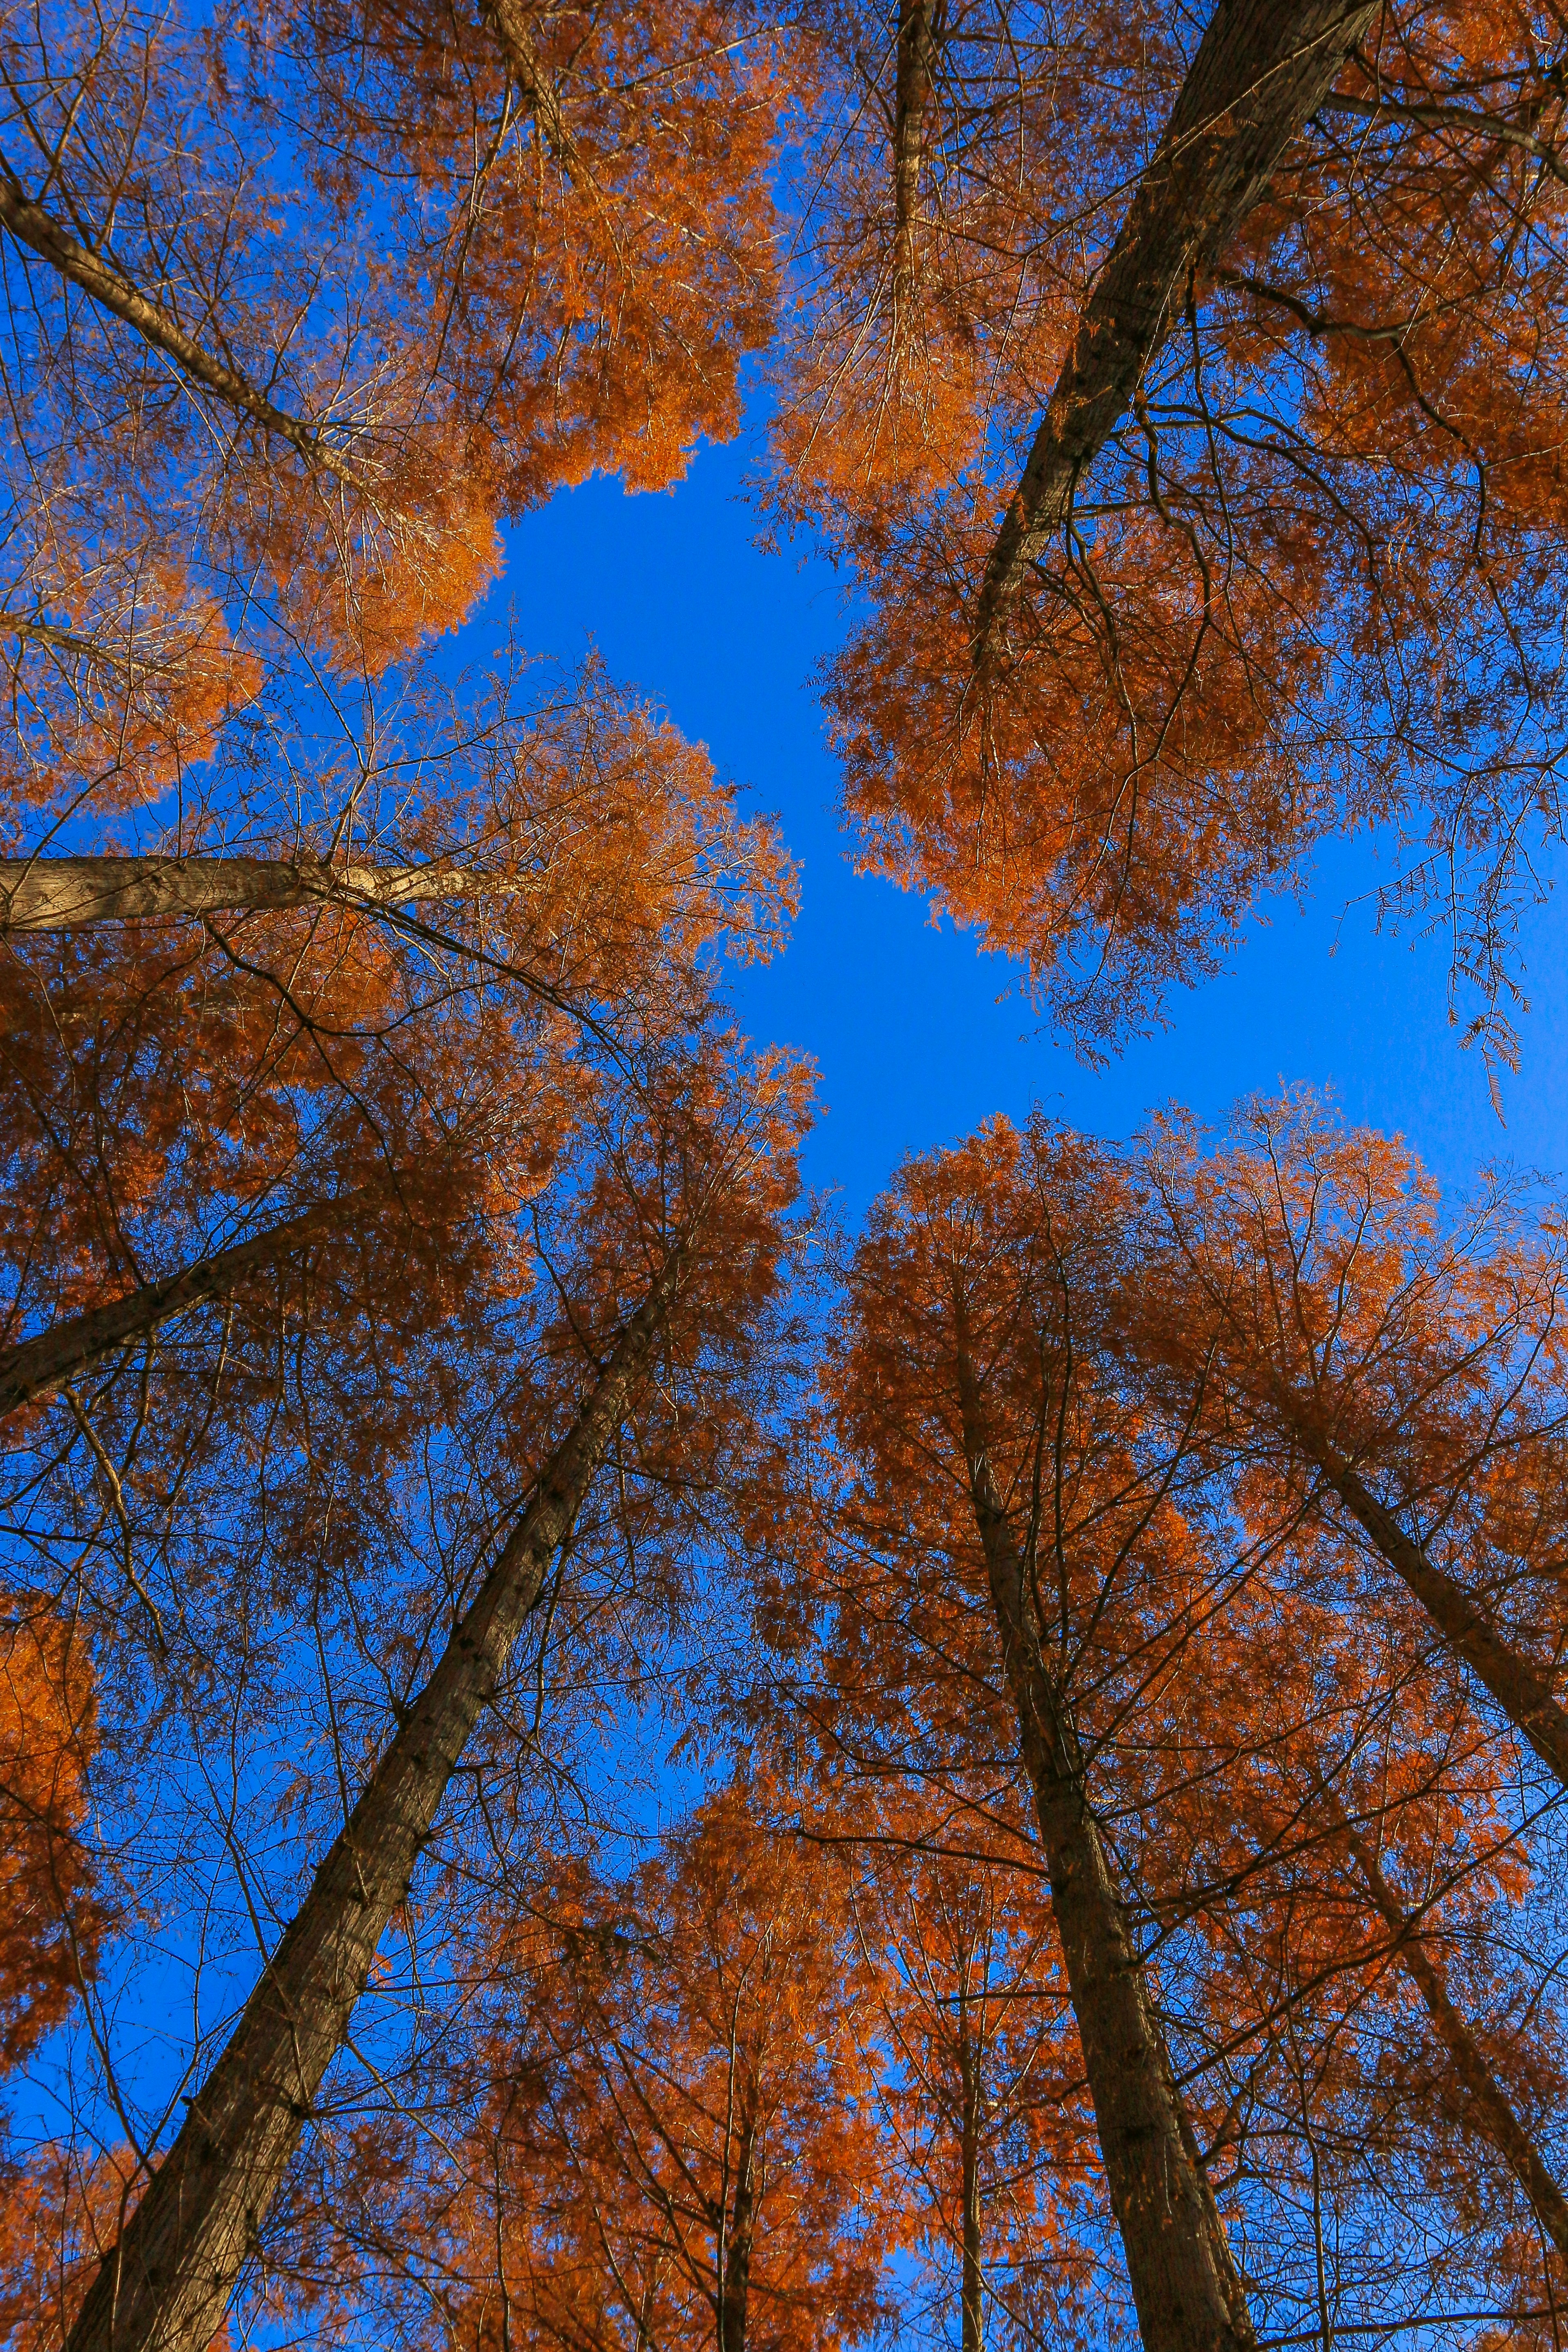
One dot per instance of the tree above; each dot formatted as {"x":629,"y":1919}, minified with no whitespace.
{"x":686,"y":1213}
{"x":978,"y":1439}
{"x":676,"y":2136}
{"x":983,"y":2105}
{"x":1194,"y":462}
{"x":1346,"y":1337}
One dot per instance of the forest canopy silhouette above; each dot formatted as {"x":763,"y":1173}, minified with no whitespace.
{"x":595,"y":1755}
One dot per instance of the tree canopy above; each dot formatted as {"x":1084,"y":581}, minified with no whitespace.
{"x":593,"y":1755}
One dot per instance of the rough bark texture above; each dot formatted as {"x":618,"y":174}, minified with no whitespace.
{"x":32,"y":226}
{"x":1184,"y":2283}
{"x":507,"y":23}
{"x":1261,"y":68}
{"x":36,"y":1366}
{"x":919,"y":48}
{"x":971,"y":2335}
{"x":1490,"y":2108}
{"x":71,"y":894}
{"x":735,"y":2255}
{"x":166,"y":2287}
{"x":1518,"y":1687}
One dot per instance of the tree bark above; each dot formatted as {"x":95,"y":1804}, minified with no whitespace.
{"x":36,"y":1366}
{"x":100,"y":280}
{"x":166,"y":2287}
{"x":735,"y":2268}
{"x":919,"y":48}
{"x":72,"y":894}
{"x":972,"y":2289}
{"x":1519,"y":1688}
{"x":1261,"y":68}
{"x":532,"y":82}
{"x":1184,"y":2283}
{"x":1490,"y":2105}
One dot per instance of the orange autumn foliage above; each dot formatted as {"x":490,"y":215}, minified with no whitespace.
{"x":1307,"y":582}
{"x":52,"y":1920}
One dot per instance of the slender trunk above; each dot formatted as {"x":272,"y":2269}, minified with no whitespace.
{"x":919,"y":48}
{"x":1485,"y":2097}
{"x":99,"y":279}
{"x":971,"y":2288}
{"x":1184,"y":2283}
{"x":736,"y":2277}
{"x":165,"y":2285}
{"x":72,"y":894}
{"x":531,"y":79}
{"x":1519,"y":1688}
{"x":35,"y":1368}
{"x":1260,"y":70}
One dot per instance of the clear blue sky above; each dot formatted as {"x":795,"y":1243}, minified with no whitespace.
{"x":914,"y":1046}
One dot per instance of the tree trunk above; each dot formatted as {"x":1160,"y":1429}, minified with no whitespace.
{"x":1261,"y":68}
{"x":72,"y":894}
{"x":735,"y":2266}
{"x":1520,"y":1689}
{"x":533,"y":84}
{"x":166,"y":2287}
{"x":918,"y":51}
{"x":1184,"y":2283}
{"x":32,"y":226}
{"x":1488,"y":2102}
{"x":972,"y":2291}
{"x":36,"y":1366}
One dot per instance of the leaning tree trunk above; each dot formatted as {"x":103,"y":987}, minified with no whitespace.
{"x":165,"y":2285}
{"x":1518,"y":1686}
{"x":72,"y":894}
{"x":37,"y":1367}
{"x":1486,"y":2101}
{"x":1260,"y":70}
{"x":106,"y":285}
{"x":1184,"y":2283}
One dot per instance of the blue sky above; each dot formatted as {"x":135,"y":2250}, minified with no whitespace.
{"x":904,"y":1018}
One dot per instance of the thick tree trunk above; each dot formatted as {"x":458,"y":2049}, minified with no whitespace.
{"x":1261,"y":68}
{"x":918,"y":51}
{"x":1184,"y":2283}
{"x":1518,"y":1687}
{"x":32,"y":226}
{"x":972,"y":2286}
{"x":166,"y":2287}
{"x":735,"y":2255}
{"x":72,"y":894}
{"x":1488,"y":2103}
{"x":35,"y":1368}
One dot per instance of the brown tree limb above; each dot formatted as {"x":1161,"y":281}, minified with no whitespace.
{"x":165,"y":2285}
{"x":72,"y":894}
{"x":1262,"y":67}
{"x":37,"y":1367}
{"x":32,"y":226}
{"x":1519,"y":1688}
{"x":533,"y":81}
{"x":1488,"y":2102}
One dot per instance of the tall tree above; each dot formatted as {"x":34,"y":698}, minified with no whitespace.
{"x":678,"y":2142}
{"x":1206,"y":421}
{"x":965,"y":1397}
{"x":680,"y":1241}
